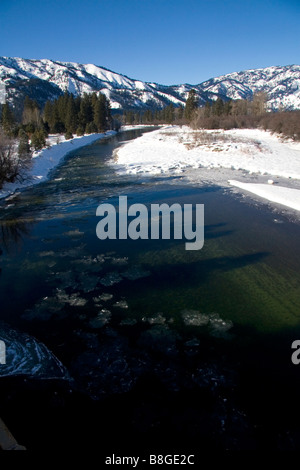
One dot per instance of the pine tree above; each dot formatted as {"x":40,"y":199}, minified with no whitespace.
{"x":80,"y":130}
{"x":7,"y":119}
{"x":129,"y":117}
{"x":24,"y":147}
{"x":38,"y":140}
{"x":180,"y":112}
{"x":91,"y":128}
{"x":99,"y":110}
{"x":218,"y":107}
{"x":48,"y":114}
{"x":191,"y":105}
{"x":207,"y":109}
{"x":86,"y":110}
{"x":227,"y":107}
{"x":169,"y":114}
{"x":71,"y":120}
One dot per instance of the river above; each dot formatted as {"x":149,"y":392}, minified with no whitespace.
{"x":158,"y":344}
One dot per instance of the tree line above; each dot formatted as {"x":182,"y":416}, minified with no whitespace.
{"x":81,"y":115}
{"x":67,"y":115}
{"x":222,"y":114}
{"x":242,"y":113}
{"x":91,"y":113}
{"x":167,"y":115}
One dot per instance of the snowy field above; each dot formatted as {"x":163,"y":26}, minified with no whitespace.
{"x":183,"y":151}
{"x":47,"y":159}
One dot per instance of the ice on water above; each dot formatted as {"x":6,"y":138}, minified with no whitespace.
{"x":157,"y":319}
{"x":104,"y":297}
{"x":74,"y":299}
{"x":101,"y":319}
{"x":121,"y":304}
{"x":194,"y":318}
{"x":119,"y":261}
{"x":217,"y":326}
{"x":74,"y":233}
{"x":110,"y":279}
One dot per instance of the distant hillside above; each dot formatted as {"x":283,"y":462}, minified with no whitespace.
{"x":47,"y":79}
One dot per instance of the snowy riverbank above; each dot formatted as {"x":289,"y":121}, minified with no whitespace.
{"x":46,"y":159}
{"x":178,"y":150}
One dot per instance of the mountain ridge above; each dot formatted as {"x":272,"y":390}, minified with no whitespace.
{"x":43,"y":79}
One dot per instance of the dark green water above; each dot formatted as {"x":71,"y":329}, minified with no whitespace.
{"x":192,"y":345}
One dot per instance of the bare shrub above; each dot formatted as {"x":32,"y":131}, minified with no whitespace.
{"x":12,"y":163}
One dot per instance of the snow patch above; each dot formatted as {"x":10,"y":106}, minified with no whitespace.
{"x":289,"y":197}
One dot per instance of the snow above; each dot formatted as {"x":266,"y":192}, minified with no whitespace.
{"x":289,"y":197}
{"x":282,"y":83}
{"x":48,"y":158}
{"x":180,"y":150}
{"x":174,"y":148}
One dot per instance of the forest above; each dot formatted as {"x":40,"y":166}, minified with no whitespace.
{"x":91,"y":113}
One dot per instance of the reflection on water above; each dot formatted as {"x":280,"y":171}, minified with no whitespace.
{"x":147,"y":319}
{"x":12,"y":233}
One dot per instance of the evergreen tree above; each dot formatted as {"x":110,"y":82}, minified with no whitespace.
{"x":86,"y":110}
{"x":90,"y":113}
{"x":218,"y":107}
{"x":91,"y":128}
{"x":7,"y":119}
{"x":80,"y":130}
{"x":68,"y":135}
{"x":100,"y":114}
{"x":48,"y":114}
{"x":38,"y":139}
{"x":129,"y":117}
{"x":148,"y":116}
{"x":71,"y":120}
{"x":191,"y":105}
{"x":207,"y":109}
{"x":227,"y":107}
{"x":169,"y":114}
{"x":180,"y":112}
{"x":24,"y":147}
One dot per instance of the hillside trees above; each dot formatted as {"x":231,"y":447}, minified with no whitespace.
{"x":86,"y":114}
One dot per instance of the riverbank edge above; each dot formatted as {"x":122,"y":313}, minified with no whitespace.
{"x":48,"y":158}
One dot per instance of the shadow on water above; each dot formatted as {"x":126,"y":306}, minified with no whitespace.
{"x":192,"y":272}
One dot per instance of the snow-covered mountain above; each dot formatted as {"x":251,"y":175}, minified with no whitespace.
{"x":282,"y":85}
{"x":47,"y":79}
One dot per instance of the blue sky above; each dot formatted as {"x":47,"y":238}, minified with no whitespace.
{"x":168,"y":42}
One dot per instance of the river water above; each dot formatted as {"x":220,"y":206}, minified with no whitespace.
{"x":159,"y":344}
